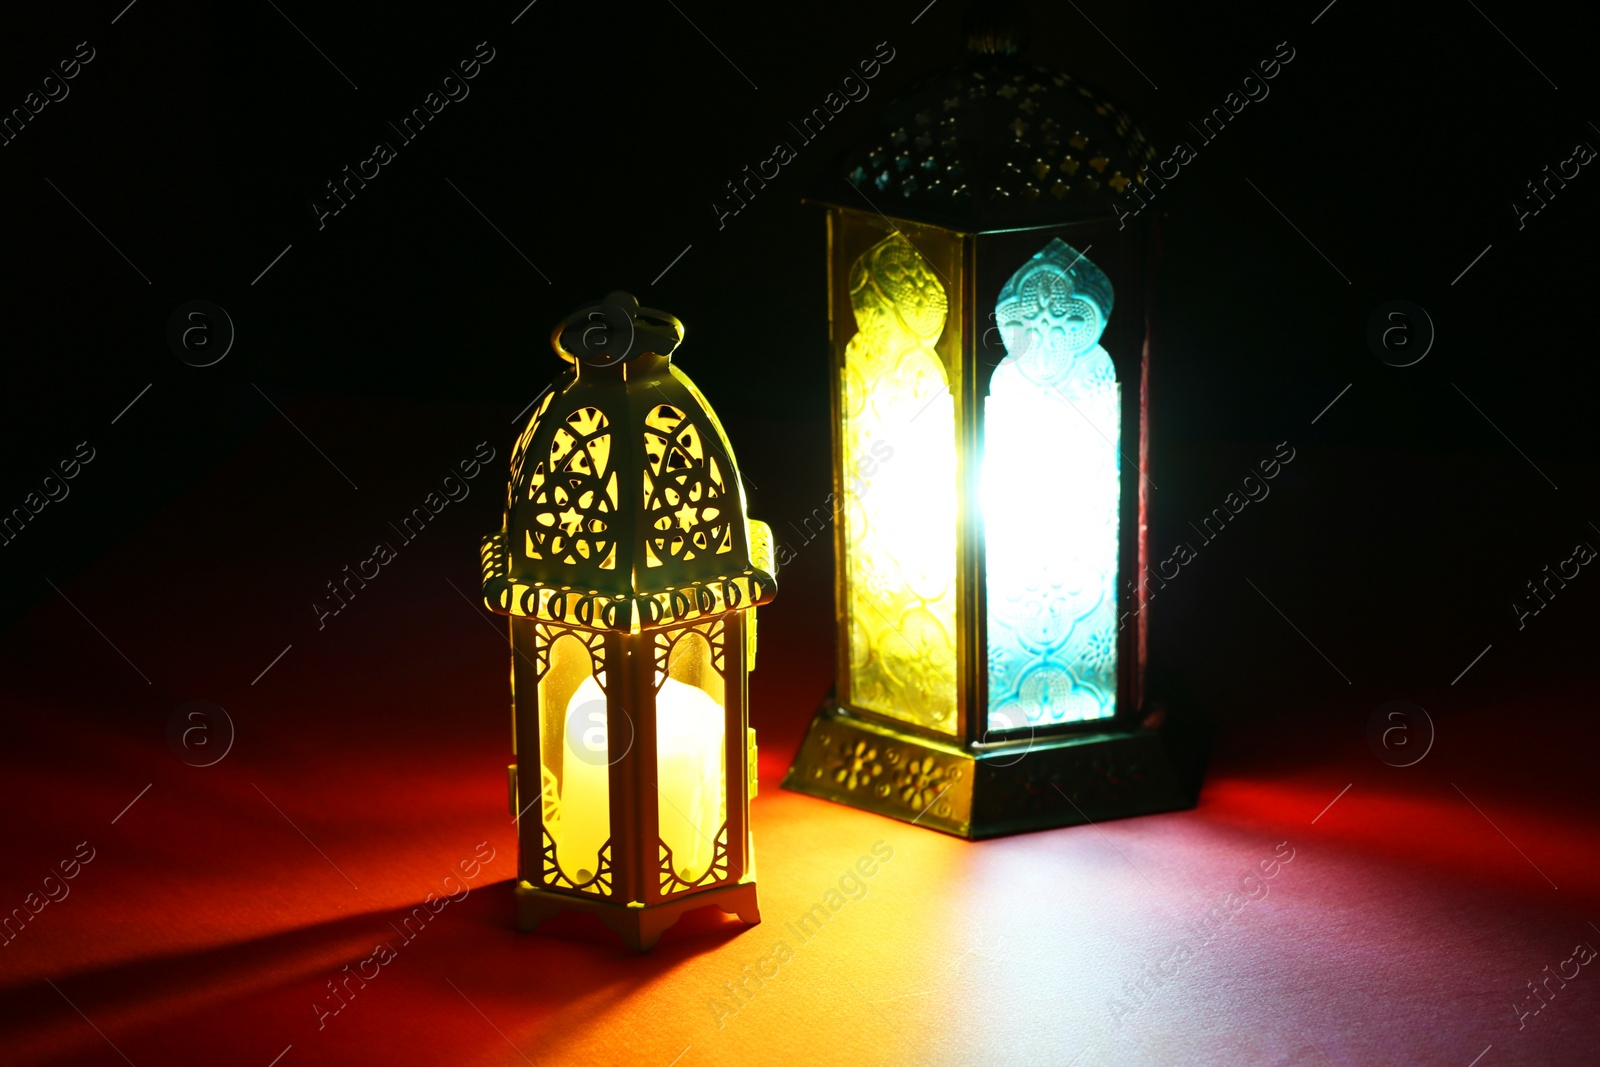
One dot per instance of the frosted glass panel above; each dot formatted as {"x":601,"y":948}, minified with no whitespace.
{"x":574,"y":775}
{"x":1050,"y":493}
{"x":691,"y":763}
{"x":899,"y":455}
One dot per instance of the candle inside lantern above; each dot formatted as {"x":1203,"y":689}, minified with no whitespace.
{"x":585,"y":788}
{"x":689,"y":747}
{"x":689,"y":773}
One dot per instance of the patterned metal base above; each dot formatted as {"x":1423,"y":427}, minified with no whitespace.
{"x":1063,"y":781}
{"x":641,"y":927}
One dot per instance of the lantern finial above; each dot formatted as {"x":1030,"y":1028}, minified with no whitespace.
{"x":614,"y":330}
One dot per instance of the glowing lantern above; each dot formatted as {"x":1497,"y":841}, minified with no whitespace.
{"x":991,"y":344}
{"x":630,"y":573}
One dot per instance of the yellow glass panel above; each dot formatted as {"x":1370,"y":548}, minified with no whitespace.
{"x":572,"y":730}
{"x":691,"y":756}
{"x":898,"y":444}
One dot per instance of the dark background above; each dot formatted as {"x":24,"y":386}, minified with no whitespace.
{"x":1396,"y":140}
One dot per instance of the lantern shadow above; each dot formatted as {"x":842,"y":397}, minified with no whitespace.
{"x":262,"y":983}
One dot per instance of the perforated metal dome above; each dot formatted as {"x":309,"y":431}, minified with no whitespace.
{"x":625,"y":510}
{"x":992,"y":144}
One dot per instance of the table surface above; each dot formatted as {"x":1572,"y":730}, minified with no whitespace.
{"x":1407,"y":912}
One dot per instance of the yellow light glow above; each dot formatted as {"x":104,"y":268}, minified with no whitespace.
{"x":585,"y":783}
{"x":576,"y":802}
{"x":899,"y":456}
{"x":689,"y":769}
{"x":689,"y":773}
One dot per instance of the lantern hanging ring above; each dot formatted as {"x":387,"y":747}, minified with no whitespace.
{"x":615,"y":329}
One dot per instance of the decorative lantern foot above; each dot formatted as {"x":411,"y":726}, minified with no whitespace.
{"x":639,"y":927}
{"x":992,"y":790}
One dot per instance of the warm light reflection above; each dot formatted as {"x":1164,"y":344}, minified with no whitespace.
{"x":1050,"y":497}
{"x":899,"y":457}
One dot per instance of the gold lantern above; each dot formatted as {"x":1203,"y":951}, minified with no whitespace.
{"x":991,"y":354}
{"x":630,"y":573}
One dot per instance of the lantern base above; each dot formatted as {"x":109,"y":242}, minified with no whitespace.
{"x":640,"y":925}
{"x":993,"y":790}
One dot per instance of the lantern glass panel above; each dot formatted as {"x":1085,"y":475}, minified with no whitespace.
{"x":574,"y":753}
{"x":691,"y":754}
{"x":899,"y":472}
{"x":1050,"y":497}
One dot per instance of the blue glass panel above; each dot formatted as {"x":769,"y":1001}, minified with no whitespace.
{"x":1050,"y":492}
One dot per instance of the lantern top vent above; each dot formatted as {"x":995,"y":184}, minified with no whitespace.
{"x":625,"y":510}
{"x":994,"y":143}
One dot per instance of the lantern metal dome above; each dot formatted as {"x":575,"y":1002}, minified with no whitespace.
{"x":995,"y":142}
{"x":624,"y":510}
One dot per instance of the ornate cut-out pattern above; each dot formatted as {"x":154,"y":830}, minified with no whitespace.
{"x":519,"y":452}
{"x":922,"y":781}
{"x":552,"y":875}
{"x":1010,"y":137}
{"x":712,"y":631}
{"x":921,"y":784}
{"x":574,"y":494}
{"x":545,"y":635}
{"x":717,"y":872}
{"x":1050,"y":497}
{"x":567,"y":781}
{"x":854,"y":765}
{"x":687,"y":510}
{"x":549,"y":800}
{"x":580,"y":547}
{"x":684,"y":602}
{"x":899,"y":456}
